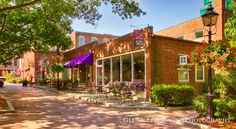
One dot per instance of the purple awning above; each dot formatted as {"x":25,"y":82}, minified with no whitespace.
{"x":84,"y":59}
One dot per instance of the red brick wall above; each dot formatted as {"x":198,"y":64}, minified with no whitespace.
{"x":165,"y":59}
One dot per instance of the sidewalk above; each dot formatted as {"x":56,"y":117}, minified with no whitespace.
{"x":93,"y":98}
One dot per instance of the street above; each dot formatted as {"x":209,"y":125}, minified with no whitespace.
{"x":37,"y":109}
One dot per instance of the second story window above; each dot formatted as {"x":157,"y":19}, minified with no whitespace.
{"x":183,"y":59}
{"x":105,"y":40}
{"x":180,"y":37}
{"x":93,"y":39}
{"x":81,"y":41}
{"x":198,"y":34}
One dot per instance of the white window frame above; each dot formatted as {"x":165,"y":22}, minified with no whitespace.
{"x":203,"y":68}
{"x":105,"y":40}
{"x":94,"y":39}
{"x":121,"y":64}
{"x":81,"y":43}
{"x":183,"y":81}
{"x":180,"y":61}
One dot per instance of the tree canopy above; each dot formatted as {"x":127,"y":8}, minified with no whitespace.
{"x":230,"y":26}
{"x":31,"y":25}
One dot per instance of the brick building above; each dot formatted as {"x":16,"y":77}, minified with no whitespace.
{"x":37,"y":63}
{"x":194,"y":30}
{"x":154,"y":60}
{"x":10,"y":68}
{"x":82,"y":38}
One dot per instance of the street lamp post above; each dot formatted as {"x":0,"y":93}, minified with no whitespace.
{"x":209,"y":20}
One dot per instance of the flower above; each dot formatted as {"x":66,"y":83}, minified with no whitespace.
{"x":137,"y":85}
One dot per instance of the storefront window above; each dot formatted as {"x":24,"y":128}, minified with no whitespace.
{"x":126,"y":67}
{"x":99,"y":72}
{"x":139,"y":66}
{"x":116,"y":68}
{"x":107,"y":71}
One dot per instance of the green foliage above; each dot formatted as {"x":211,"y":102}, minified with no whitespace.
{"x":43,"y":82}
{"x":33,"y":25}
{"x":25,"y":81}
{"x":230,"y":28}
{"x":57,"y":68}
{"x":11,"y":78}
{"x":200,"y":105}
{"x":225,"y":93}
{"x":219,"y":55}
{"x":172,"y":95}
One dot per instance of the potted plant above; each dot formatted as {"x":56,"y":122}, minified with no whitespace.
{"x":138,"y":87}
{"x":24,"y":82}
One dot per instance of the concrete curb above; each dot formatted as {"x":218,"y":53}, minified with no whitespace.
{"x":9,"y":104}
{"x":114,"y":105}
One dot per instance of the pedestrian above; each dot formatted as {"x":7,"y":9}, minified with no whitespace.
{"x":31,"y":80}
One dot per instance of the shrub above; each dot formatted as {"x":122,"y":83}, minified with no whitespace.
{"x":225,"y":108}
{"x":172,"y":95}
{"x":200,"y":105}
{"x":225,"y":95}
{"x":10,"y":78}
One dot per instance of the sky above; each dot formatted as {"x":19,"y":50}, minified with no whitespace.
{"x":161,"y":14}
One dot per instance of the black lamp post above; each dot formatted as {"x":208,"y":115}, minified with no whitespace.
{"x":209,"y":19}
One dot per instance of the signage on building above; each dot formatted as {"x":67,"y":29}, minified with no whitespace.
{"x":138,"y":37}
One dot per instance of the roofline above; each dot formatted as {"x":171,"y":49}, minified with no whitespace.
{"x":172,"y":38}
{"x":94,"y":33}
{"x":178,"y":24}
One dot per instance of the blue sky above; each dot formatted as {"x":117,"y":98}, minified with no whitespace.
{"x":160,"y":14}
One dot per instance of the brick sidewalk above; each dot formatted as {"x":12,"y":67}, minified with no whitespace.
{"x":37,"y":109}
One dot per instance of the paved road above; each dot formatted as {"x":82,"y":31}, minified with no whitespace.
{"x":38,"y":109}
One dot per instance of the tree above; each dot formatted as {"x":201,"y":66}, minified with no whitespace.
{"x":230,"y":26}
{"x":31,"y":25}
{"x":56,"y":68}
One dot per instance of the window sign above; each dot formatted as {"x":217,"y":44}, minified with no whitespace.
{"x":138,"y":37}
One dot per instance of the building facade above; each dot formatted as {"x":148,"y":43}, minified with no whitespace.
{"x":194,"y":29}
{"x":82,"y":38}
{"x":37,"y":64}
{"x":153,"y":60}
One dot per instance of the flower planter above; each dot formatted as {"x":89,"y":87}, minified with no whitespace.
{"x":24,"y":84}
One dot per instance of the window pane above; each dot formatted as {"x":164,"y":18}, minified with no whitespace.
{"x":200,"y":73}
{"x":99,"y":72}
{"x":183,"y":75}
{"x":126,"y":67}
{"x":116,"y":68}
{"x":107,"y":69}
{"x":180,"y":37}
{"x":198,"y":34}
{"x":139,"y":69}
